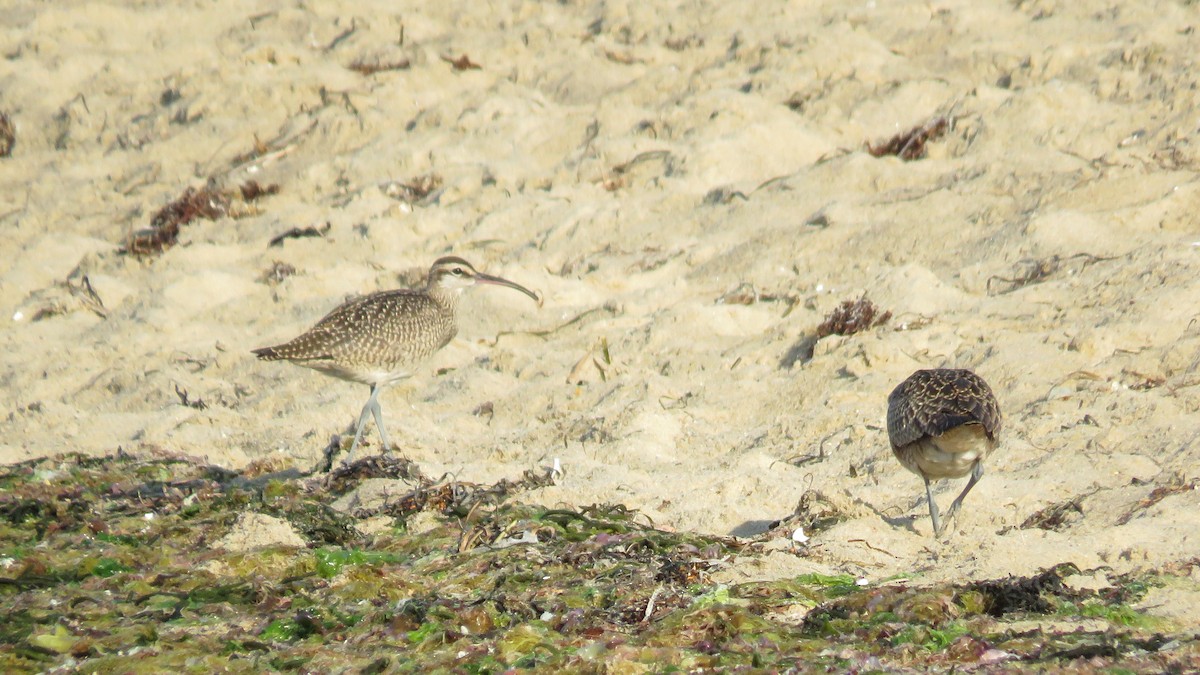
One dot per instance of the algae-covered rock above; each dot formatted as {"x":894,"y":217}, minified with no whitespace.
{"x":191,"y":567}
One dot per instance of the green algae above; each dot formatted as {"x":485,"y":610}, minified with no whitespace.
{"x":1117,"y":615}
{"x":331,"y":561}
{"x":104,"y":559}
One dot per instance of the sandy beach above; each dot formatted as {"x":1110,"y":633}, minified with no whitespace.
{"x":689,"y":188}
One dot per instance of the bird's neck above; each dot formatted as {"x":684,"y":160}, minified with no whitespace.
{"x":446,"y":297}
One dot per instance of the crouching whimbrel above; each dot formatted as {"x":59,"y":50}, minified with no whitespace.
{"x":380,"y":338}
{"x":942,"y":424}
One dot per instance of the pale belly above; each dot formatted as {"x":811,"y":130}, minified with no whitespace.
{"x":951,"y":455}
{"x":370,"y":376}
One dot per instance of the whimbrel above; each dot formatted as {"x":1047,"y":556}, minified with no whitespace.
{"x":942,"y":424}
{"x":380,"y":338}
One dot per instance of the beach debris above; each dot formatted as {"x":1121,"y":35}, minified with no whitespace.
{"x":675,"y":402}
{"x":300,"y":233}
{"x":1036,"y":270}
{"x":800,"y":352}
{"x":613,"y":183}
{"x":1175,"y":485}
{"x":811,"y":458}
{"x":624,"y":58}
{"x":87,"y":295}
{"x":814,"y":513}
{"x":1023,"y":594}
{"x":275,"y":274}
{"x":682,"y":572}
{"x":164,"y":227}
{"x":48,"y":311}
{"x":910,"y":145}
{"x":654,"y":257}
{"x":598,"y":358}
{"x":8,"y":135}
{"x":74,"y":292}
{"x":578,"y":374}
{"x":462,"y":63}
{"x":641,"y":158}
{"x":621,"y":173}
{"x":416,"y":190}
{"x":289,"y":135}
{"x":342,"y":36}
{"x":650,"y":604}
{"x":723,"y":195}
{"x":253,"y":190}
{"x":820,"y":455}
{"x":486,"y":409}
{"x":1142,"y":381}
{"x":364,"y":67}
{"x":347,"y":477}
{"x":680,"y":43}
{"x":446,"y":496}
{"x":208,"y":202}
{"x":852,"y":316}
{"x":912,"y":322}
{"x":746,"y":294}
{"x":1056,"y":517}
{"x":819,"y":220}
{"x":169,"y":96}
{"x":188,"y":402}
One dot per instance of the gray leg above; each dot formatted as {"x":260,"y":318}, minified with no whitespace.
{"x":933,"y":510}
{"x":372,"y":404}
{"x":377,"y":413}
{"x":976,"y":474}
{"x":370,"y":410}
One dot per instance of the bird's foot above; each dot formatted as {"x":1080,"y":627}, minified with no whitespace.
{"x":352,"y":453}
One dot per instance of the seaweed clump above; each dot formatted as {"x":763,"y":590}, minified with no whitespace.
{"x":848,"y":318}
{"x":208,"y":203}
{"x":910,"y":145}
{"x":852,"y":316}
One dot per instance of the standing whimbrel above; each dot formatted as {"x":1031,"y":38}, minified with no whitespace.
{"x":942,"y":424}
{"x":380,"y":338}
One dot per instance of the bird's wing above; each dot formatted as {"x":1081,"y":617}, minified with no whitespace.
{"x":388,"y":325}
{"x":934,"y":403}
{"x":905,"y":422}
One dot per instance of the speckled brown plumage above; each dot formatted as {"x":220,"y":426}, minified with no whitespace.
{"x":376,"y":339}
{"x":942,"y":424}
{"x":380,"y":338}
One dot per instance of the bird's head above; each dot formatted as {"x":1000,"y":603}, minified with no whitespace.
{"x":454,"y":274}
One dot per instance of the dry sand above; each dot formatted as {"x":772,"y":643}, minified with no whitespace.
{"x":635,"y":165}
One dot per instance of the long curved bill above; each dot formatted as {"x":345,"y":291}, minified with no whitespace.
{"x":481,"y":278}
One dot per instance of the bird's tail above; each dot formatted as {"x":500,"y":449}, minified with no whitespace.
{"x":267,"y":354}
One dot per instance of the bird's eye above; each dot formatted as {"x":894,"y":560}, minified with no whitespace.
{"x":457,"y":271}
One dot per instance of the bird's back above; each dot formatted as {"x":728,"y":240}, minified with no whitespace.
{"x":941,"y":422}
{"x":373,"y":339}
